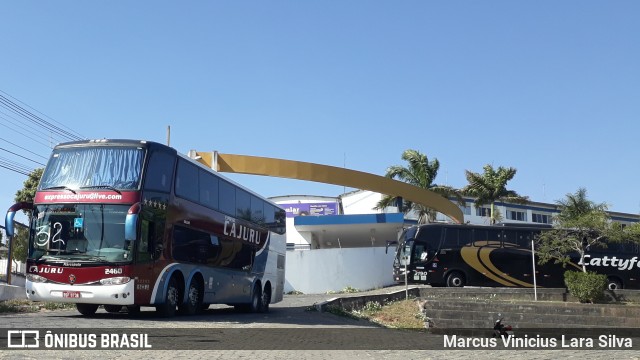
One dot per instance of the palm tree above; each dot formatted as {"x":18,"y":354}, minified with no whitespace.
{"x":421,"y":173}
{"x":575,"y":205}
{"x":491,"y":186}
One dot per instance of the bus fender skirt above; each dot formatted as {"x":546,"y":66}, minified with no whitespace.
{"x":162,"y":282}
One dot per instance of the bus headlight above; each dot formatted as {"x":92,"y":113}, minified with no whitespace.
{"x":36,"y":278}
{"x":115,"y":280}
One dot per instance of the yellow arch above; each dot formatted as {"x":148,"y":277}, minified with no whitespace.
{"x":255,"y":165}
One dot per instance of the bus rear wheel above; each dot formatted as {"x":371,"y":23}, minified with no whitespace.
{"x":266,"y":299}
{"x":455,"y":279}
{"x":87,"y":309}
{"x":194,"y":299}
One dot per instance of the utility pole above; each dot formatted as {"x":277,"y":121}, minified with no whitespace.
{"x":168,"y":135}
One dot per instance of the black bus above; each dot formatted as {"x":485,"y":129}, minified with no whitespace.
{"x":457,"y":255}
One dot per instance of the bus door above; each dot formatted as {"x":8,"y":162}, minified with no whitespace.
{"x":158,"y":181}
{"x":424,"y":261}
{"x":149,"y":249}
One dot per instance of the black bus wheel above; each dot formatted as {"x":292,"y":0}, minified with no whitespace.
{"x":613,"y":284}
{"x":266,"y":299}
{"x":455,"y":279}
{"x":194,"y":299}
{"x":113,"y":308}
{"x":87,"y":309}
{"x":256,"y":299}
{"x":171,"y":298}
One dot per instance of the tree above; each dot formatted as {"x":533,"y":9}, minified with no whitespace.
{"x":29,"y":187}
{"x":422,"y":173}
{"x":491,"y":186}
{"x":580,"y":225}
{"x":19,"y":243}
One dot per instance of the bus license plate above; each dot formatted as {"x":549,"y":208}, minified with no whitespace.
{"x":71,"y":294}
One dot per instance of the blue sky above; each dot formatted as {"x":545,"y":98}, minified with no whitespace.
{"x":551,"y":88}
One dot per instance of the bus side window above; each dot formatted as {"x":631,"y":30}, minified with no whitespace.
{"x":146,"y":233}
{"x":450,"y":239}
{"x":465,"y":237}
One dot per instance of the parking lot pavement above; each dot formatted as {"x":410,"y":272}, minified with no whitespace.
{"x":293,"y":322}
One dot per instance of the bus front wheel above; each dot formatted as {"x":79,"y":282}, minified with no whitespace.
{"x":613,"y":284}
{"x":113,"y":308}
{"x":168,"y":307}
{"x":87,"y":309}
{"x":455,"y":279}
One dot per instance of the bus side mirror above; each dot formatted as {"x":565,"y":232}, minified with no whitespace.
{"x":389,"y":243}
{"x":131,"y":222}
{"x":11,"y":213}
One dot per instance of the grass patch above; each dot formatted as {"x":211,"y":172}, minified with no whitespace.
{"x":26,"y":306}
{"x":402,"y":314}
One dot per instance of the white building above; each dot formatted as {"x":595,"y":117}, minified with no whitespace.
{"x":339,"y":242}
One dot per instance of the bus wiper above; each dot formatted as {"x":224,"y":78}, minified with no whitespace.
{"x":102,"y":187}
{"x":62,"y":187}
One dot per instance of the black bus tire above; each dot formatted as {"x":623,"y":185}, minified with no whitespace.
{"x":455,"y":279}
{"x":87,"y":309}
{"x":113,"y":308}
{"x":613,"y":284}
{"x":266,"y":299}
{"x":194,"y":299}
{"x":256,"y":299}
{"x":171,"y":299}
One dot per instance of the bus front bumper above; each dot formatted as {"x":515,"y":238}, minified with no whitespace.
{"x":87,"y":294}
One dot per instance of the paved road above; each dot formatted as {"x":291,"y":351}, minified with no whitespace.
{"x":291,"y":322}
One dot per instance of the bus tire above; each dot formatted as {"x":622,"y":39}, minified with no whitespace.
{"x":133,"y":310}
{"x":613,"y":283}
{"x":112,"y":308}
{"x":168,"y":307}
{"x":87,"y":309}
{"x":256,"y":299}
{"x":266,"y":299}
{"x":455,"y":279}
{"x":193,"y":305}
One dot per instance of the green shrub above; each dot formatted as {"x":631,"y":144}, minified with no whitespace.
{"x":587,"y":287}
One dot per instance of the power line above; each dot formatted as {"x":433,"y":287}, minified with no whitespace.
{"x":7,"y":103}
{"x":27,"y":150}
{"x":26,"y":158}
{"x":45,"y":115}
{"x":14,"y":170}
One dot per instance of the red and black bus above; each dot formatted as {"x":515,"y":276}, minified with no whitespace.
{"x":134,"y":223}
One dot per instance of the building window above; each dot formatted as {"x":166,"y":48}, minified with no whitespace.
{"x":516,"y":215}
{"x":466,"y":210}
{"x":541,"y":218}
{"x":483,"y":211}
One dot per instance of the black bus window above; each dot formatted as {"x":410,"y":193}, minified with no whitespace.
{"x":465,"y":237}
{"x":494,"y":237}
{"x":187,"y":181}
{"x":227,"y":198}
{"x":257,"y":210}
{"x":159,"y":172}
{"x":208,"y":189}
{"x":419,"y":253}
{"x":509,"y":237}
{"x":450,"y":239}
{"x":243,"y":204}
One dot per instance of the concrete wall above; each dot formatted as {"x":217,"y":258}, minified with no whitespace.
{"x":320,"y":271}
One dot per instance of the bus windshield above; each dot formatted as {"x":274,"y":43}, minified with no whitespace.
{"x":91,"y":232}
{"x":93,"y":167}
